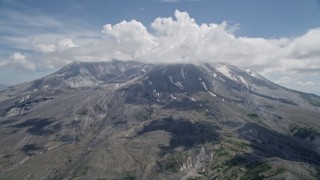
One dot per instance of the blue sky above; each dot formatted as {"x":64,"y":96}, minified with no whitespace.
{"x":37,"y":37}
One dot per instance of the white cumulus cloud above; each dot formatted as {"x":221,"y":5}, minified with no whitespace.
{"x":66,"y":44}
{"x":19,"y":61}
{"x":182,"y":39}
{"x":45,"y":48}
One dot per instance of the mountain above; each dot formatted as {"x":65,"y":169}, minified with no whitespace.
{"x":130,"y":120}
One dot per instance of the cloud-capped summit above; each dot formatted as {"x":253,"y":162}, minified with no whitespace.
{"x":48,"y":43}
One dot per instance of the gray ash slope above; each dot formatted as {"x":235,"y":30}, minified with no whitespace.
{"x":118,"y":120}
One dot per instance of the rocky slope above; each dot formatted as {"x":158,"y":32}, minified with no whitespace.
{"x":129,"y":120}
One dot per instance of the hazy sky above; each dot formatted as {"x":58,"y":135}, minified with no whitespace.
{"x":278,"y":38}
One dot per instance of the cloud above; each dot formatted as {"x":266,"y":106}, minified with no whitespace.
{"x":31,"y":31}
{"x":180,"y":39}
{"x":62,"y":45}
{"x":45,"y":48}
{"x":168,"y":39}
{"x":294,"y":80}
{"x":66,"y":44}
{"x":302,"y":83}
{"x":308,"y":83}
{"x":19,"y":61}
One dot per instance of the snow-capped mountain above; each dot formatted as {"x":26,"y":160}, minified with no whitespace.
{"x":117,"y":120}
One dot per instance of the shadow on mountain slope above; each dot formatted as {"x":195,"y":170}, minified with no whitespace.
{"x":39,"y":126}
{"x":9,"y":121}
{"x":138,"y":94}
{"x":267,"y":143}
{"x":183,"y":132}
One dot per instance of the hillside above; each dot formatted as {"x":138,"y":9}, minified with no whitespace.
{"x":130,"y":120}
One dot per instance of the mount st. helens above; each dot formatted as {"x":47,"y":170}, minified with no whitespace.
{"x":129,"y":120}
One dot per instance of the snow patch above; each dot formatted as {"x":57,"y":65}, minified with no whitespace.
{"x":243,"y":81}
{"x":182,"y":72}
{"x":178,"y":83}
{"x":150,"y":82}
{"x":45,"y":86}
{"x":156,"y":93}
{"x":193,"y":100}
{"x":215,"y":75}
{"x":204,"y":86}
{"x":212,"y":94}
{"x":199,"y":78}
{"x":226,"y":71}
{"x":173,"y":97}
{"x":253,"y":74}
{"x":79,"y":81}
{"x":25,"y":98}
